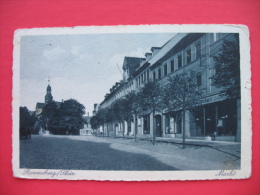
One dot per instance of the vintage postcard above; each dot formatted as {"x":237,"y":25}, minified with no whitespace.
{"x":132,"y":103}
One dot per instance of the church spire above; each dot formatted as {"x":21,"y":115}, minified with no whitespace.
{"x":48,"y":96}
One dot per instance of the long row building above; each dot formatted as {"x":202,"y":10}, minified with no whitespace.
{"x":215,"y":115}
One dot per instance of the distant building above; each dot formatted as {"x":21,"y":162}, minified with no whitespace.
{"x":94,"y":112}
{"x":39,"y":107}
{"x":48,"y":99}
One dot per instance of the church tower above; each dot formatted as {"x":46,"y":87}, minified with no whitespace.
{"x":48,"y":96}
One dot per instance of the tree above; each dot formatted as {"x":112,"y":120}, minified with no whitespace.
{"x":26,"y":121}
{"x":70,"y":116}
{"x":227,"y":66}
{"x":120,"y":112}
{"x":111,"y":117}
{"x":133,"y":108}
{"x":95,"y":122}
{"x":180,"y":93}
{"x":49,"y":115}
{"x":102,"y":118}
{"x":151,"y":100}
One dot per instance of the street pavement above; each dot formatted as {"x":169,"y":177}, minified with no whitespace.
{"x":103,"y":153}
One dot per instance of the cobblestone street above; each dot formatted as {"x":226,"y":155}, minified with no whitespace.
{"x":101,"y":153}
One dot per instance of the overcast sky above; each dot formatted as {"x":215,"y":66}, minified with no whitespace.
{"x":82,"y":67}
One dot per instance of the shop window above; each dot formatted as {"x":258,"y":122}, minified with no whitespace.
{"x":188,"y":56}
{"x":172,"y":65}
{"x":227,"y":118}
{"x":159,"y":74}
{"x":197,"y":122}
{"x":165,"y":69}
{"x":179,"y":61}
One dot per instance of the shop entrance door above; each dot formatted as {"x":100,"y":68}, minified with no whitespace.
{"x":128,"y":128}
{"x":158,"y":121}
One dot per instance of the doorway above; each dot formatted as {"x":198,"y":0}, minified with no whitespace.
{"x":158,"y":122}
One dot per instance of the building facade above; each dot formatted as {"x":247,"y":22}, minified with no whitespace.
{"x":214,"y":114}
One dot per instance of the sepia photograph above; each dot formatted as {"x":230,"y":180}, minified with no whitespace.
{"x":133,"y":103}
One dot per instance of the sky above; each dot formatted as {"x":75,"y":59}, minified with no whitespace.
{"x":82,"y":67}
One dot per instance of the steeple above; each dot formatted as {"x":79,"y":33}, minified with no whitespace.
{"x":48,"y":96}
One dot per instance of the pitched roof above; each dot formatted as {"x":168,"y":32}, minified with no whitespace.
{"x":58,"y":103}
{"x":40,"y":105}
{"x":132,"y":62}
{"x":167,"y":47}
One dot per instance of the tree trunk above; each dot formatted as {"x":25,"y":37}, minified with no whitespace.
{"x":154,"y":127}
{"x":184,"y":128}
{"x":123,"y":129}
{"x":135,"y":127}
{"x":114,"y":129}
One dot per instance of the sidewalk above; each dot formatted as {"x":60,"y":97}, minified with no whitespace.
{"x":197,"y":154}
{"x":232,"y":148}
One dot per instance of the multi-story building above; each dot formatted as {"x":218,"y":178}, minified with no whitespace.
{"x":215,"y":113}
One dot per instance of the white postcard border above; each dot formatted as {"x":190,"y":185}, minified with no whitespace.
{"x":246,"y":121}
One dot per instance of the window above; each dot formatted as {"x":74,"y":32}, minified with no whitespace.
{"x":165,"y":69}
{"x":159,"y":74}
{"x":199,"y":80}
{"x":188,"y":56}
{"x":217,"y":36}
{"x":139,"y":80}
{"x":179,"y":61}
{"x":198,"y":50}
{"x":144,"y":76}
{"x":154,"y":76}
{"x":172,"y":65}
{"x":147,"y":75}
